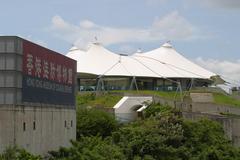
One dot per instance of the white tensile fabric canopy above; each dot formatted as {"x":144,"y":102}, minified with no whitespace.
{"x":163,"y":62}
{"x":168,"y":55}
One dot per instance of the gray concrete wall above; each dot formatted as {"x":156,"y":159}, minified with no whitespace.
{"x":54,"y":128}
{"x":210,"y":108}
{"x":164,"y":101}
{"x":206,"y":107}
{"x":236,"y":131}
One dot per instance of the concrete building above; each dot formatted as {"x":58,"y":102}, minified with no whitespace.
{"x":37,"y":96}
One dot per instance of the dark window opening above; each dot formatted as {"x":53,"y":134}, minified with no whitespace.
{"x":24,"y":126}
{"x":71,"y":123}
{"x":65,"y":124}
{"x":34,"y":125}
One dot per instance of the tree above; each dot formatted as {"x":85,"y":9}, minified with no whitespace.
{"x":163,"y":135}
{"x":89,"y":148}
{"x":92,"y":122}
{"x":160,"y":136}
{"x":15,"y":153}
{"x":166,"y":136}
{"x":206,"y":141}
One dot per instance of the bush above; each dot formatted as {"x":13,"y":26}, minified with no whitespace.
{"x":152,"y":138}
{"x":166,"y":136}
{"x":14,"y":153}
{"x":156,"y":109}
{"x":206,"y":140}
{"x":89,"y":148}
{"x":92,"y":122}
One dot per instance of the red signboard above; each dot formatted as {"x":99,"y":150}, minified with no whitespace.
{"x":48,"y":77}
{"x":43,"y":63}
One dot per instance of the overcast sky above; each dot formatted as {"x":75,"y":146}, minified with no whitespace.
{"x":205,"y":31}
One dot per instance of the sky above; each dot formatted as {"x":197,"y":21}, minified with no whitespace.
{"x":207,"y":32}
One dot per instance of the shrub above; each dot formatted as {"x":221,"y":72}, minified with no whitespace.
{"x":155,"y":109}
{"x":92,"y":122}
{"x":89,"y":148}
{"x":206,"y":140}
{"x":14,"y":153}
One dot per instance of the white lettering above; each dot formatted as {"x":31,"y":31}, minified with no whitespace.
{"x":29,"y":64}
{"x":70,"y":76}
{"x":38,"y":67}
{"x":59,"y":73}
{"x":45,"y":69}
{"x":64,"y":74}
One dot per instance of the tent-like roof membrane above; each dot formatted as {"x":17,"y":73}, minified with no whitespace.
{"x":163,"y":62}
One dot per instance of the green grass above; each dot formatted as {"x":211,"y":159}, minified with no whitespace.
{"x":109,"y":99}
{"x":225,"y":100}
{"x":164,"y":94}
{"x":90,"y":99}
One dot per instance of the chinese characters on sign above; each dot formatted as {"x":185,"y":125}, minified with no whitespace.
{"x":42,"y":68}
{"x":48,"y":77}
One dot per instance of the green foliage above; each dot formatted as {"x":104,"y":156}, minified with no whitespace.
{"x":205,"y":139}
{"x":92,"y":122}
{"x":158,"y":138}
{"x":106,"y":100}
{"x":219,"y":98}
{"x":226,"y":100}
{"x":89,"y":148}
{"x":163,"y":135}
{"x":203,"y":132}
{"x":84,"y":99}
{"x":156,"y":109}
{"x":14,"y":153}
{"x":90,"y":99}
{"x":165,"y":94}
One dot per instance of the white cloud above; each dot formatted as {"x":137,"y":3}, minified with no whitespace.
{"x":173,"y":26}
{"x":230,"y":70}
{"x":87,"y":24}
{"x":169,"y":27}
{"x":67,"y":30}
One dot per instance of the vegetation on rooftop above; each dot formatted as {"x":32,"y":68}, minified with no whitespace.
{"x":165,"y":94}
{"x":91,"y":99}
{"x":225,"y":100}
{"x":109,"y":99}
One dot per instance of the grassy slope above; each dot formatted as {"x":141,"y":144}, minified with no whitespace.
{"x":169,"y":95}
{"x":89,"y":99}
{"x":111,"y":98}
{"x":226,"y":100}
